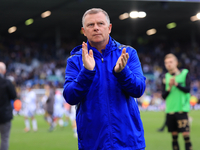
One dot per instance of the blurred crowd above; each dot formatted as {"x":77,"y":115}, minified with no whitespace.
{"x":34,"y":61}
{"x":40,"y":62}
{"x":152,"y":60}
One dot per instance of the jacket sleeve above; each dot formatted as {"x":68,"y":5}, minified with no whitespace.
{"x":185,"y":89}
{"x":11,"y":91}
{"x":77,"y":82}
{"x":165,"y":93}
{"x":131,"y":77}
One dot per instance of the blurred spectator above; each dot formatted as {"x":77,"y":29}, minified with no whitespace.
{"x":7,"y":93}
{"x":40,"y":62}
{"x":49,"y":106}
{"x":30,"y":105}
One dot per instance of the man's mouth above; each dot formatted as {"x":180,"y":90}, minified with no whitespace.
{"x":96,"y":34}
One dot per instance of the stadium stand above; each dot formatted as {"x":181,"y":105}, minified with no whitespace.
{"x":40,"y":62}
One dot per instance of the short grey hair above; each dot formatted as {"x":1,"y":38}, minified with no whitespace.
{"x":95,"y":11}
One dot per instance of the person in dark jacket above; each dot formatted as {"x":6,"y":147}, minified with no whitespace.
{"x":7,"y":93}
{"x":49,"y":98}
{"x":104,"y":83}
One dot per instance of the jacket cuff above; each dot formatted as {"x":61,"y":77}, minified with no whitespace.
{"x":121,"y":76}
{"x":85,"y":77}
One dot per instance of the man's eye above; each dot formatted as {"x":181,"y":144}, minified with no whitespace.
{"x":90,"y":25}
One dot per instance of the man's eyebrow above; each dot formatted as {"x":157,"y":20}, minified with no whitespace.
{"x":90,"y":23}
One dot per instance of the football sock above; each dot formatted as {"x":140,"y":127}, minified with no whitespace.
{"x":27,"y":124}
{"x":34,"y":124}
{"x":60,"y":122}
{"x":175,"y":142}
{"x":188,"y":145}
{"x":49,"y":120}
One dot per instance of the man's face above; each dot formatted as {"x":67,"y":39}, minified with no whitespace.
{"x":96,"y":28}
{"x":28,"y":89}
{"x":170,"y":63}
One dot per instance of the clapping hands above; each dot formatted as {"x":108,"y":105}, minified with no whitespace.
{"x":88,"y":58}
{"x":122,"y":61}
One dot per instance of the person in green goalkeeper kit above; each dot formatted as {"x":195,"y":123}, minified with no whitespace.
{"x":175,"y":90}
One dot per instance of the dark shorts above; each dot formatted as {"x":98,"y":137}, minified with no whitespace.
{"x":178,"y":122}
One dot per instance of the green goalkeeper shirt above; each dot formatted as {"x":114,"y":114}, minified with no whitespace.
{"x":177,"y":100}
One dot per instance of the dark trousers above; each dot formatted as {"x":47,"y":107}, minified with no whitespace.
{"x":5,"y":134}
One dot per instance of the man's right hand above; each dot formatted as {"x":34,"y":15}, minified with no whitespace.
{"x":88,"y":59}
{"x":171,"y":83}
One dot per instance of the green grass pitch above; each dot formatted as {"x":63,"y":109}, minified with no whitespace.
{"x":63,"y":139}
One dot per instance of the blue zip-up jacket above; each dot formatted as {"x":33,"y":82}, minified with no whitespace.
{"x":107,"y":113}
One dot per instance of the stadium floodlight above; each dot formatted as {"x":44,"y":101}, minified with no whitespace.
{"x":198,"y":16}
{"x":171,"y":25}
{"x":46,"y":14}
{"x":151,"y":31}
{"x":134,"y":14}
{"x":123,"y":16}
{"x":12,"y":29}
{"x":194,"y":18}
{"x":141,"y":14}
{"x":29,"y":21}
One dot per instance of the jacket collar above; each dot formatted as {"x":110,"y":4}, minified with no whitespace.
{"x":112,"y":44}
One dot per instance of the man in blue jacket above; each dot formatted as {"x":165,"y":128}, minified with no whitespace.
{"x":104,"y":83}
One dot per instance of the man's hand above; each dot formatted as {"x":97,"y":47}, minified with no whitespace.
{"x":171,"y":83}
{"x":122,"y":61}
{"x":88,"y":59}
{"x":175,"y":83}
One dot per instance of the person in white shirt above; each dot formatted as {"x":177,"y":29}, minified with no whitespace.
{"x":58,"y":110}
{"x":73,"y":120}
{"x":29,"y":100}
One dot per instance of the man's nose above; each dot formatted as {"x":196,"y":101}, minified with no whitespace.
{"x":96,"y":27}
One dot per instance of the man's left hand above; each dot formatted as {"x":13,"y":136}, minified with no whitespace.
{"x":122,"y":61}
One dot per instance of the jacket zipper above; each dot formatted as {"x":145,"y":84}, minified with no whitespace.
{"x":108,"y":104}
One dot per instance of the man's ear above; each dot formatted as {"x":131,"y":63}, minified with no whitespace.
{"x":177,"y":64}
{"x":110,"y":28}
{"x":83,"y":31}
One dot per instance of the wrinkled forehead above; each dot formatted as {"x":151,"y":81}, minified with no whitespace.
{"x":96,"y":17}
